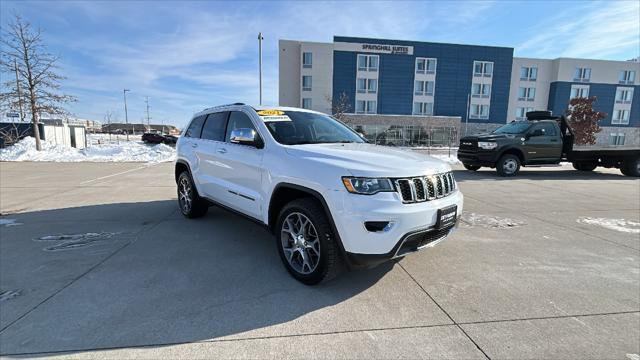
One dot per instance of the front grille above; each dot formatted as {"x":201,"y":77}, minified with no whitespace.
{"x":468,"y":144}
{"x":419,"y":189}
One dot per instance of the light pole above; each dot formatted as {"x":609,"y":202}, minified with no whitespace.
{"x":260,"y":38}
{"x":466,"y":119}
{"x":126,"y":115}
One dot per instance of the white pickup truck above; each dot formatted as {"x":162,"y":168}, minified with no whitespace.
{"x":331,"y":199}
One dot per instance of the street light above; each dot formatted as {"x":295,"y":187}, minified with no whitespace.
{"x":260,"y":38}
{"x":126,"y":115}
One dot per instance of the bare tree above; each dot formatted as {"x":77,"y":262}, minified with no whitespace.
{"x":24,"y":52}
{"x":11,"y":134}
{"x":341,"y":106}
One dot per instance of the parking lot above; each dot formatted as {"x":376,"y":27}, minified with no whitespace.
{"x":536,"y":269}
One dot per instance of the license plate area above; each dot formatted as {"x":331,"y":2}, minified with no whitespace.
{"x":446,"y":217}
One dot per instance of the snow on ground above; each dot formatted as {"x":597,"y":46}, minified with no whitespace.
{"x":9,"y":222}
{"x":621,"y":225}
{"x":124,"y":151}
{"x":486,"y":221}
{"x":446,"y":158}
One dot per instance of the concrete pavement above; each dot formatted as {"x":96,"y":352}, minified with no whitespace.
{"x":149,"y":283}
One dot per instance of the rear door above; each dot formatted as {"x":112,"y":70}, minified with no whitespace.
{"x":212,"y":136}
{"x":545,"y":148}
{"x":240,"y":169}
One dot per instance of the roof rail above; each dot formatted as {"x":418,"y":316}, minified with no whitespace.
{"x":217,"y":106}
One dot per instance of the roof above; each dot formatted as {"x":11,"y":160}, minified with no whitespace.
{"x":256,"y":108}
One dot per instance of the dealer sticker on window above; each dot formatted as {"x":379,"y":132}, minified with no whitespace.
{"x":273,"y":115}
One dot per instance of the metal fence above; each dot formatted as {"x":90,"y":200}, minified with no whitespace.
{"x":409,"y":135}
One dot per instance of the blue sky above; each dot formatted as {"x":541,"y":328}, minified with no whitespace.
{"x":190,"y":55}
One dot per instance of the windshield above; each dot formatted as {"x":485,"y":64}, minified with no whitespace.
{"x":298,"y":127}
{"x":513,"y":128}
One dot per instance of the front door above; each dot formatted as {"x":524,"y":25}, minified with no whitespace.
{"x":240,"y":169}
{"x":544,"y":144}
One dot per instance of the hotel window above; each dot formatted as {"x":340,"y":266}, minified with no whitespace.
{"x":526,"y":93}
{"x":368,"y":62}
{"x":579,"y":91}
{"x":425,"y":66}
{"x":424,"y":87}
{"x":366,"y":107}
{"x":582,"y":74}
{"x":371,"y":107}
{"x":482,"y":68}
{"x":529,"y":73}
{"x":624,"y":95}
{"x":479,"y":111}
{"x":616,"y":139}
{"x":306,"y":103}
{"x":306,"y":83}
{"x":521,"y":112}
{"x":620,"y":117}
{"x":307,"y":60}
{"x":422,"y":108}
{"x":360,"y":106}
{"x":367,"y":86}
{"x":481,"y":90}
{"x":627,"y":77}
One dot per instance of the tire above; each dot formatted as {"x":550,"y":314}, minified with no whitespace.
{"x":631,"y":168}
{"x":306,"y":243}
{"x":190,"y":203}
{"x":471,"y":167}
{"x":584,"y":166}
{"x":508,"y":165}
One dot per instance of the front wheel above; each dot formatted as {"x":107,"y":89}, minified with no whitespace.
{"x":306,"y":244}
{"x":631,"y":168}
{"x":584,"y":166}
{"x":508,"y":165}
{"x":471,"y":167}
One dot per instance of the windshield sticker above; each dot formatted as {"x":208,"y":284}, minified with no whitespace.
{"x":275,"y":118}
{"x":270,"y":112}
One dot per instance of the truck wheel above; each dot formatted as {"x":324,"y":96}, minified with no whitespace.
{"x":471,"y":167}
{"x":508,"y":165}
{"x":307,"y":246}
{"x":631,"y":168}
{"x":190,"y":203}
{"x":584,"y":166}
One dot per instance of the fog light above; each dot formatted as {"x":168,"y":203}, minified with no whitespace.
{"x":378,"y":226}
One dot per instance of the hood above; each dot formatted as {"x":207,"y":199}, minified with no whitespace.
{"x":488,"y":137}
{"x":370,"y":160}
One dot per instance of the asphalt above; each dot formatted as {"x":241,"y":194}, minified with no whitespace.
{"x":520,"y":278}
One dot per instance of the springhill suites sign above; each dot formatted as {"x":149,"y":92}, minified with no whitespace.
{"x":374,"y":48}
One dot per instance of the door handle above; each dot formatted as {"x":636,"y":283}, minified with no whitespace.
{"x":222,"y":150}
{"x":194,"y":145}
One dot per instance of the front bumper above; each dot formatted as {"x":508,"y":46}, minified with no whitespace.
{"x":412,"y":225}
{"x":479,"y":157}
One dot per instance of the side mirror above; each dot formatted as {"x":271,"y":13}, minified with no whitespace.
{"x":245,"y":136}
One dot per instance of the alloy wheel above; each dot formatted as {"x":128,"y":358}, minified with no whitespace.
{"x":300,"y":243}
{"x":185,"y":195}
{"x":510,"y":166}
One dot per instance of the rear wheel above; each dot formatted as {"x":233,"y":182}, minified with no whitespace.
{"x":190,"y":203}
{"x":471,"y":167}
{"x":508,"y":165}
{"x":584,"y":166}
{"x":631,"y":168}
{"x":306,"y":244}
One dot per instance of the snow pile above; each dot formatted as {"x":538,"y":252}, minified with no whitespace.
{"x":485,"y":221}
{"x":621,"y":225}
{"x":446,"y":158}
{"x":129,"y":151}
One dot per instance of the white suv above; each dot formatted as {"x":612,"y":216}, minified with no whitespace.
{"x":329,"y":197}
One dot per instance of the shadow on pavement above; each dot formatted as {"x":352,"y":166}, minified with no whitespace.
{"x":529,"y":174}
{"x":158,"y":279}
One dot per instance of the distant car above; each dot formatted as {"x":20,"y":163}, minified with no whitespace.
{"x":170,"y":139}
{"x":153,"y":138}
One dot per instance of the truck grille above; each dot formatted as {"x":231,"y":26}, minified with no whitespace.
{"x":468,"y":145}
{"x":424,"y":188}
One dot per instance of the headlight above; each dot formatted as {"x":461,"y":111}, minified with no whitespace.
{"x":487,"y":145}
{"x":367,"y":186}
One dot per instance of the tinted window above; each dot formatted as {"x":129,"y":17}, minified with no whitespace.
{"x":514,"y":127}
{"x":238,"y":120}
{"x":548,"y":128}
{"x":214,"y":126}
{"x":195,"y":128}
